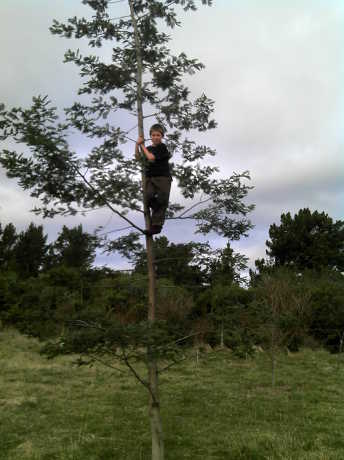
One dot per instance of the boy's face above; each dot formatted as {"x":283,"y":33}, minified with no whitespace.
{"x":156,"y":137}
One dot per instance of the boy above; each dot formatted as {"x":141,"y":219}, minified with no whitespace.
{"x":157,"y":176}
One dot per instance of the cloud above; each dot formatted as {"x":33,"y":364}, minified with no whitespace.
{"x":275,"y":71}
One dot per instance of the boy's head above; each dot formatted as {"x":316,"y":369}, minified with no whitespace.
{"x":156,"y":133}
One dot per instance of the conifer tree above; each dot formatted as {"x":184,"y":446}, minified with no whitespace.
{"x":177,"y":262}
{"x":227,"y":266}
{"x":144,"y":79}
{"x":8,"y":239}
{"x":75,"y":248}
{"x":308,"y":240}
{"x":30,"y":251}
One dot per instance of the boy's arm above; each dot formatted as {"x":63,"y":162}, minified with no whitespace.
{"x":146,"y":152}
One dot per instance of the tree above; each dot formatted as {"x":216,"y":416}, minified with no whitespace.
{"x":227,"y":266}
{"x":176,"y":262}
{"x":309,"y":240}
{"x":8,"y":293}
{"x":224,"y":275}
{"x":262,"y":267}
{"x":143,"y":80}
{"x":326,"y":304}
{"x":229,"y":303}
{"x":280,"y":312}
{"x":8,"y":239}
{"x":30,"y":251}
{"x":75,"y":248}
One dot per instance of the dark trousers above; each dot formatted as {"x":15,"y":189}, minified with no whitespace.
{"x":157,"y":196}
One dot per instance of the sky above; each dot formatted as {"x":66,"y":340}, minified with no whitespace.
{"x":274,"y":69}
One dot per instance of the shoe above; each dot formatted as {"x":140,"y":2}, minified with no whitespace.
{"x":155,"y":229}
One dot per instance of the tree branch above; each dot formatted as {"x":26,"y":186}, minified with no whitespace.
{"x":90,"y":186}
{"x":106,"y":364}
{"x":116,"y":230}
{"x":192,"y":207}
{"x":160,"y":371}
{"x":152,"y":115}
{"x":138,"y":377}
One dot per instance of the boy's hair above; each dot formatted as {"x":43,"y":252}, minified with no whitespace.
{"x":158,"y":128}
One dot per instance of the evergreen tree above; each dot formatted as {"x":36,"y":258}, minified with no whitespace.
{"x":30,"y":251}
{"x":176,"y":262}
{"x":8,"y":239}
{"x":309,"y":240}
{"x":227,"y":266}
{"x":75,"y":248}
{"x":262,"y":266}
{"x":143,"y":79}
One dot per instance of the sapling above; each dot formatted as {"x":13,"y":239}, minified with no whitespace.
{"x":143,"y":82}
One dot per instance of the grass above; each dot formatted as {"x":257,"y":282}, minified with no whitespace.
{"x":218,"y":408}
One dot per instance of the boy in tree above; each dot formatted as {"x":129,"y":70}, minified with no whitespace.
{"x":157,"y":176}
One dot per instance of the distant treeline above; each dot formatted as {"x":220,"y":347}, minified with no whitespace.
{"x":295,"y":297}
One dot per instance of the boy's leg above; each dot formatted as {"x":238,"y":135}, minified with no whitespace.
{"x":162,"y":186}
{"x":150,"y":191}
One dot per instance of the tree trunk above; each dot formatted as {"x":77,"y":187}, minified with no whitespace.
{"x":222,"y":342}
{"x":341,"y":342}
{"x":273,"y":341}
{"x":154,"y":413}
{"x":273,"y":368}
{"x":154,"y":404}
{"x":273,"y":356}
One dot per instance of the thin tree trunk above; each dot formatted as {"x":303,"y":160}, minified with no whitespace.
{"x":154,"y":413}
{"x":341,"y":343}
{"x":273,"y":357}
{"x":81,"y":294}
{"x":273,"y":341}
{"x":154,"y":404}
{"x":222,"y":342}
{"x":273,"y":368}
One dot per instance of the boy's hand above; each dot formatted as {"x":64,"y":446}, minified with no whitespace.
{"x":140,"y":140}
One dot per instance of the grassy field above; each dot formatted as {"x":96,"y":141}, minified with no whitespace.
{"x":218,"y":408}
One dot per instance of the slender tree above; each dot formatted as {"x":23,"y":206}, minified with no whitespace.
{"x":143,"y":79}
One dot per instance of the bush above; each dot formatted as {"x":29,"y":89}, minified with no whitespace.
{"x":327,"y":312}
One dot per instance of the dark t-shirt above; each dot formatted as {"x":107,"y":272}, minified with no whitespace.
{"x":160,"y":166}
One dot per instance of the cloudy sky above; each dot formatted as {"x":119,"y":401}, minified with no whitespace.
{"x":275,"y":70}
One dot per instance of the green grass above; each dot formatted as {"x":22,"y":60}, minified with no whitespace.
{"x":218,"y":408}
